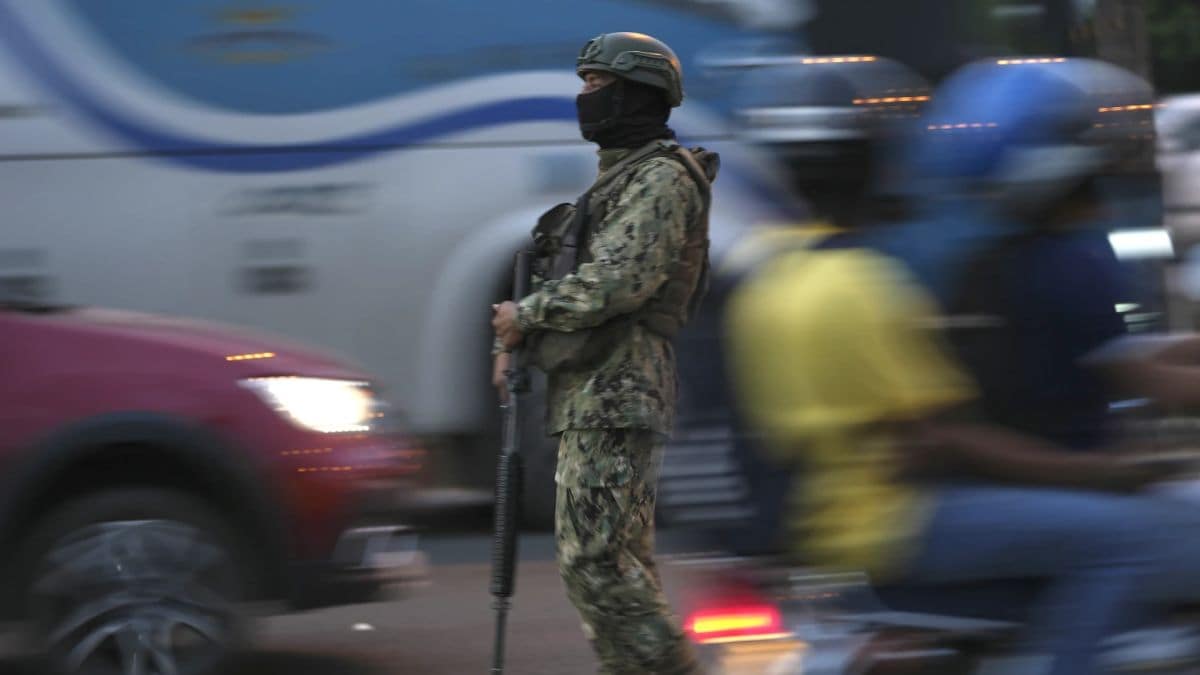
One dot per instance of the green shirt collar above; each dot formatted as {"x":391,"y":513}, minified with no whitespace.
{"x":611,"y":156}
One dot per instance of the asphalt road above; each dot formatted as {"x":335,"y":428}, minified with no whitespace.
{"x":441,"y":627}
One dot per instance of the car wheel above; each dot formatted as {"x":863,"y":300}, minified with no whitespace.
{"x":135,"y":582}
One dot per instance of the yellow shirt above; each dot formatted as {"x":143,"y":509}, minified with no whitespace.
{"x":762,"y":241}
{"x":822,"y":345}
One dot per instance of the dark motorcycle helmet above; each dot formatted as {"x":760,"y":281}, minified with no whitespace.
{"x":832,"y":122}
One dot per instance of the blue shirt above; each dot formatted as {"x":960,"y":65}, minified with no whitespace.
{"x":1064,"y":307}
{"x":1057,"y":295}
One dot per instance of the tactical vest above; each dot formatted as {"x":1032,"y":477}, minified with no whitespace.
{"x":561,"y":239}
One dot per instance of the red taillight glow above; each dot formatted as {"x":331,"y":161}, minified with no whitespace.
{"x":733,"y":624}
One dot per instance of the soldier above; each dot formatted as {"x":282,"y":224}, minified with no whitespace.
{"x":617,"y":275}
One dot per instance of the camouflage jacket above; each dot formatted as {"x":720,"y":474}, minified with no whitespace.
{"x":630,"y":252}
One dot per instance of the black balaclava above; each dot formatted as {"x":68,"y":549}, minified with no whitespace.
{"x":624,"y":114}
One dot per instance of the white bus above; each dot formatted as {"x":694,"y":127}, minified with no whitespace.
{"x":355,"y":174}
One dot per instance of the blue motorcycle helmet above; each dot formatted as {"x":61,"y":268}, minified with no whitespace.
{"x":1027,"y":133}
{"x":1012,"y":145}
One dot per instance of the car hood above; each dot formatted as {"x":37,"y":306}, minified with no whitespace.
{"x":253,"y":352}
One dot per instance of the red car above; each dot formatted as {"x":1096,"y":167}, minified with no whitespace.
{"x":160,"y":474}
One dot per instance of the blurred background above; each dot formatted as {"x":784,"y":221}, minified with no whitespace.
{"x":332,"y":192}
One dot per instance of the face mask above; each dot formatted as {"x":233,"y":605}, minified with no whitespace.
{"x":598,"y":110}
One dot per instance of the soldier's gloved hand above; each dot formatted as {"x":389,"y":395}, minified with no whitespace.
{"x":499,"y":379}
{"x":504,"y":321}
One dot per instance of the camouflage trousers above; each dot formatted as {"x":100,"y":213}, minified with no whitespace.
{"x":604,"y":525}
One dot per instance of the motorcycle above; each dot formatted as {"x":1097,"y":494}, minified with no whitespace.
{"x":761,"y":614}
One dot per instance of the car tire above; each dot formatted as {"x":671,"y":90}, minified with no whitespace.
{"x":135,"y":580}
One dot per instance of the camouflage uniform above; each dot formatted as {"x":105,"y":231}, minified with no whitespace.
{"x":613,"y":417}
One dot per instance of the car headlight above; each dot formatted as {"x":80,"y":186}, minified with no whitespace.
{"x":320,"y":404}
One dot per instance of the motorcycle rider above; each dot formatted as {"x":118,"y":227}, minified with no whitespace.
{"x":836,"y":359}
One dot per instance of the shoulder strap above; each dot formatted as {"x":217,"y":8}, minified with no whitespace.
{"x":645,"y":152}
{"x":702,"y":177}
{"x":703,"y":180}
{"x":567,"y":261}
{"x":574,"y":233}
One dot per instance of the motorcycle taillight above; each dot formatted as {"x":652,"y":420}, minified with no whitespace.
{"x":735,"y":623}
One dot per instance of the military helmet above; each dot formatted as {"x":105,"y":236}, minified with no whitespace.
{"x":637,"y":57}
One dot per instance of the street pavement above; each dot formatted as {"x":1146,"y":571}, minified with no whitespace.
{"x":441,"y":627}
